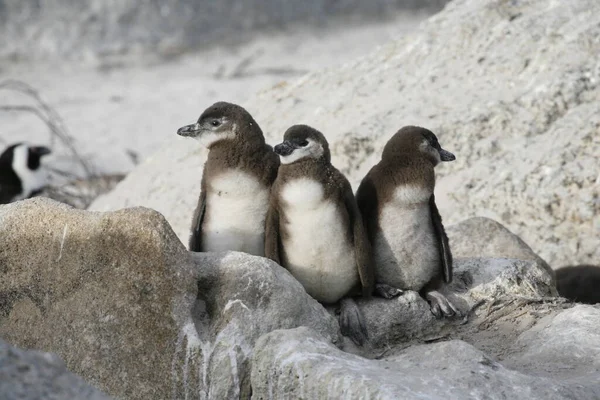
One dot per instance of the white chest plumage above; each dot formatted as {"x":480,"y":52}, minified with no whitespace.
{"x":405,"y":249}
{"x":236,"y":207}
{"x":317,"y":249}
{"x":31,"y":180}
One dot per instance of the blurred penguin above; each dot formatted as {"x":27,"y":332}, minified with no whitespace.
{"x":22,"y":174}
{"x":579,"y":283}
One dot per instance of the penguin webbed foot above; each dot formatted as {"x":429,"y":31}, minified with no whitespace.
{"x":387,"y":291}
{"x":441,"y":307}
{"x":352,"y":323}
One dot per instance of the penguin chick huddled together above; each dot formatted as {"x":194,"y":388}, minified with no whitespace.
{"x":396,"y":199}
{"x":22,"y":174}
{"x":236,"y":181}
{"x":314,"y":228}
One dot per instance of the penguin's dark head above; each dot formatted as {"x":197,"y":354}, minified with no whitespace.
{"x":24,"y":156}
{"x":410,"y":139}
{"x":302,"y":142}
{"x":35,"y":153}
{"x":223,"y":121}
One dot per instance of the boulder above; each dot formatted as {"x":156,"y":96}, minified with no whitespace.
{"x":566,"y":345}
{"x":484,"y":237}
{"x":33,"y":375}
{"x":512,"y":88}
{"x":299,"y":363}
{"x":117,"y":296}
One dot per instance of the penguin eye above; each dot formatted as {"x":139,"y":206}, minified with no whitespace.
{"x":215,"y":122}
{"x":303,"y":143}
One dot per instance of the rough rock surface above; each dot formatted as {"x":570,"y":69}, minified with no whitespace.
{"x":32,"y":375}
{"x":512,"y":88}
{"x":120,"y":300}
{"x":408,"y":317}
{"x":300,"y":364}
{"x":484,"y":237}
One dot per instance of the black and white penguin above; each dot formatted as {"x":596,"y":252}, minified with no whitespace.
{"x":236,"y":181}
{"x":22,"y":174}
{"x":396,"y":199}
{"x":314,"y":228}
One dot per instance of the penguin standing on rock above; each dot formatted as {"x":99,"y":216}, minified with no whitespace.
{"x":22,"y":174}
{"x":314,"y":228}
{"x":236,"y":181}
{"x":396,"y":199}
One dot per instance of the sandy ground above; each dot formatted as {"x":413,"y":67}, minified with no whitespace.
{"x":122,"y":110}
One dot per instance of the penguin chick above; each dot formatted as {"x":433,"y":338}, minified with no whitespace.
{"x":579,"y":283}
{"x":314,"y":228}
{"x":396,"y":200}
{"x":22,"y":174}
{"x":236,"y":181}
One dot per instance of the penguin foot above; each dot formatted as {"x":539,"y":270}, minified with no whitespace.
{"x":441,"y":306}
{"x":352,"y":323}
{"x":387,"y":291}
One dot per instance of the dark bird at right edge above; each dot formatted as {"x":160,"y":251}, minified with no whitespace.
{"x":579,"y":283}
{"x":397,"y":202}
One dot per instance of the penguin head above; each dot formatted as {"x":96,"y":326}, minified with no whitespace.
{"x":223,"y":121}
{"x":34,"y":156}
{"x":301,"y":142}
{"x":411,"y":139}
{"x":23,"y":156}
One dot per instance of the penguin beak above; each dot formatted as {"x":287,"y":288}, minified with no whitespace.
{"x":40,"y":150}
{"x":189,"y":130}
{"x":284,"y":149}
{"x":446,"y":155}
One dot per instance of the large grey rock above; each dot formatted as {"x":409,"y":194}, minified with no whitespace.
{"x":118,"y":297}
{"x":101,"y":28}
{"x":298,"y":363}
{"x":484,"y":237}
{"x":33,"y":375}
{"x":566,"y":345}
{"x":511,"y":87}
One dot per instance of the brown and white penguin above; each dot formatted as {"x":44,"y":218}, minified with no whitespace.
{"x":314,"y":228}
{"x":396,"y":200}
{"x":236,"y":181}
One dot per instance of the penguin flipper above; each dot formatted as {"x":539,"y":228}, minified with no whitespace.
{"x":272,"y":235}
{"x":442,"y":238}
{"x":196,"y":236}
{"x":362,"y":246}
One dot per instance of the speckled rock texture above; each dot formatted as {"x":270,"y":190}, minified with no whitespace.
{"x":34,"y":375}
{"x":121,"y":301}
{"x":117,"y":296}
{"x":297,"y":363}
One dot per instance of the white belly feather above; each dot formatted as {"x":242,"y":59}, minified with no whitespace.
{"x":317,"y":250}
{"x":236,"y":207}
{"x":406,"y":249}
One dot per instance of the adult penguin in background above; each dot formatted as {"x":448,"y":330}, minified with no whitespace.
{"x":314,"y":228}
{"x":396,"y":200}
{"x":22,"y":174}
{"x":236,"y":181}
